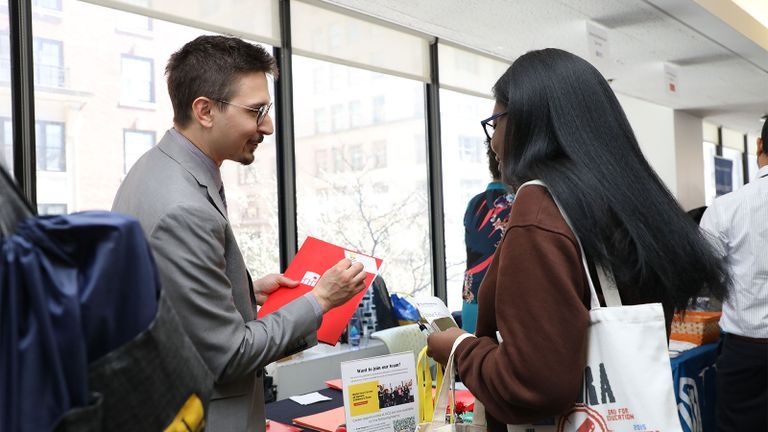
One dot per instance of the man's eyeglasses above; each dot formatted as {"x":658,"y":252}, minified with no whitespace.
{"x":489,"y":127}
{"x":260,"y":112}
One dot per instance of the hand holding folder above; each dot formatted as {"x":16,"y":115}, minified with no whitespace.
{"x":315,"y":258}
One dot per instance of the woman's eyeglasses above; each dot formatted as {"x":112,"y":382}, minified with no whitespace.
{"x":489,"y":127}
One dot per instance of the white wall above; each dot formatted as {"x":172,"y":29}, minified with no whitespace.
{"x":672,"y":142}
{"x":689,"y":160}
{"x":655,"y":131}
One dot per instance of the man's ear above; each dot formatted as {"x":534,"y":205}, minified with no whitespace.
{"x":202,"y":111}
{"x":761,"y":147}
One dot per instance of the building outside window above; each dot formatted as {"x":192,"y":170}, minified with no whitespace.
{"x":137,"y":79}
{"x":356,"y":157}
{"x":50,"y":147}
{"x":6,"y":144}
{"x":47,"y":4}
{"x":135,"y":144}
{"x":51,"y":209}
{"x":471,"y":148}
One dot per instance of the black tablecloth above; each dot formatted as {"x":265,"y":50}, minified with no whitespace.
{"x":284,"y":411}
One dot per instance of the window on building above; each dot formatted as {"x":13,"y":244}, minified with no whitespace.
{"x":471,"y":148}
{"x":339,"y":119}
{"x":135,"y":23}
{"x":51,"y":209}
{"x":378,"y":109}
{"x":48,"y":60}
{"x":135,"y":143}
{"x":338,"y":159}
{"x":356,"y":157}
{"x":379,"y":152}
{"x":355,"y":114}
{"x":50,"y":146}
{"x":137,"y":80}
{"x":321,"y":158}
{"x":47,"y":4}
{"x":322,"y":125}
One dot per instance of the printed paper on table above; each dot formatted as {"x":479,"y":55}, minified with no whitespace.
{"x":380,"y":393}
{"x":311,"y":261}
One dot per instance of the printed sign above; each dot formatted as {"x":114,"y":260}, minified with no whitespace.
{"x":380,"y":393}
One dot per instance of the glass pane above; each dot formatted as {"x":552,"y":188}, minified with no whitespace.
{"x":260,"y":23}
{"x":465,"y":158}
{"x":365,"y":185}
{"x":738,"y":166}
{"x":329,"y":34}
{"x":91,"y":146}
{"x":709,"y":151}
{"x":466,"y":70}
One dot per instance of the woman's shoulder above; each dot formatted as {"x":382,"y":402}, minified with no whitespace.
{"x":534,"y":207}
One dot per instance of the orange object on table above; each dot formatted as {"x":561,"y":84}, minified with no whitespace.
{"x":326,"y":421}
{"x":696,"y":327}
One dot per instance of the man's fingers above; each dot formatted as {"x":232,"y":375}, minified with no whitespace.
{"x":354,"y":270}
{"x":343,"y":264}
{"x":285,"y":282}
{"x":358,"y":278}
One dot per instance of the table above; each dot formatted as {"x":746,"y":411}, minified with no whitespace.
{"x":307,"y":371}
{"x":693,"y":374}
{"x":284,"y":411}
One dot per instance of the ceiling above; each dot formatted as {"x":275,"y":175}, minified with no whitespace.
{"x":722,"y":76}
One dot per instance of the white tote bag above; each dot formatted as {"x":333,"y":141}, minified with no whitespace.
{"x":445,"y":399}
{"x":628,"y":378}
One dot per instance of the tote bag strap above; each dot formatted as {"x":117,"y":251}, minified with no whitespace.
{"x":607,"y":281}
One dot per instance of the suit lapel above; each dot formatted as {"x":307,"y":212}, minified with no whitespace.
{"x":177,"y":151}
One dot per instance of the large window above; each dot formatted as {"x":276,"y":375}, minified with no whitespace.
{"x":364,"y":186}
{"x":465,"y":174}
{"x":135,"y":144}
{"x":115,"y":107}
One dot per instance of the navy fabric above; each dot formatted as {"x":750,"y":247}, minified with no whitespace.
{"x":72,"y":288}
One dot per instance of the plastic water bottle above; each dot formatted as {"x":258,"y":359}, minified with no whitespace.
{"x":354,"y":331}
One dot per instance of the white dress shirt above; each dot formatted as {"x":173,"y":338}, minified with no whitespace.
{"x":739,"y":223}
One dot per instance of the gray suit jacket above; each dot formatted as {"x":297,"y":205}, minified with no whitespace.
{"x":203,"y":272}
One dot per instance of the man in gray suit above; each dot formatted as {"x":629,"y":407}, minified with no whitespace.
{"x":218,"y":87}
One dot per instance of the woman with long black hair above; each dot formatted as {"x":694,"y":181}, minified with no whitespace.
{"x":557,"y":120}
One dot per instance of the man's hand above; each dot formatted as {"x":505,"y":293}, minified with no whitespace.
{"x":439,"y":344}
{"x":265,"y":286}
{"x":339,"y":284}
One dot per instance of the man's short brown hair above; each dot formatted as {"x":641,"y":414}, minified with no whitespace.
{"x":210,"y":66}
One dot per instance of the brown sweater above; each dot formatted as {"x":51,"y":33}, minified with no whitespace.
{"x":536,"y":295}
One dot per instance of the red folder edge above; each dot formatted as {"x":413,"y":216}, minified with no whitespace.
{"x":318,"y":256}
{"x":326,"y":421}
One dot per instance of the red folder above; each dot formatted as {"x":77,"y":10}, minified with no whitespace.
{"x":273,"y":426}
{"x":326,"y":421}
{"x":334,"y":384}
{"x":311,"y":261}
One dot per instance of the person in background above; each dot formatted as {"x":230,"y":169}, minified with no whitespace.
{"x":218,"y":88}
{"x":738,"y":222}
{"x":557,"y":120}
{"x":484,"y":222}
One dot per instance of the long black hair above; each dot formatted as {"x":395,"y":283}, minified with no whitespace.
{"x":566,"y":128}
